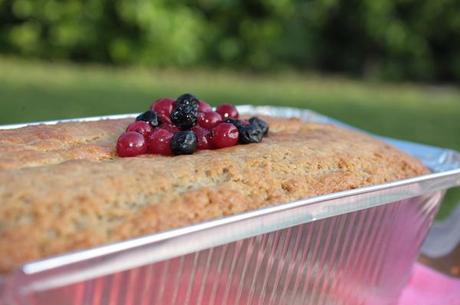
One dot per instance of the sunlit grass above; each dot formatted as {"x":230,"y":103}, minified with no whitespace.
{"x":43,"y":91}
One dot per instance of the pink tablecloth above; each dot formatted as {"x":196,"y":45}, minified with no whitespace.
{"x":428,"y":287}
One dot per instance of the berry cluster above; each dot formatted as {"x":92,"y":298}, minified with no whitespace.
{"x":185,"y":125}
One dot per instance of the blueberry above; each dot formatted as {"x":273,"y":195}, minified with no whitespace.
{"x":187,"y":99}
{"x":150,"y":117}
{"x":185,"y":112}
{"x":183,"y":143}
{"x":235,"y":122}
{"x":250,"y":134}
{"x":184,"y":116}
{"x":261,"y":123}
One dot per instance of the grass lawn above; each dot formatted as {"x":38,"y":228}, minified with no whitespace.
{"x":31,"y":91}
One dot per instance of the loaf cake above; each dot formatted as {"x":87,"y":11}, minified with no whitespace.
{"x":63,"y":188}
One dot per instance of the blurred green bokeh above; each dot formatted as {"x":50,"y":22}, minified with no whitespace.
{"x":389,"y":39}
{"x":129,"y":52}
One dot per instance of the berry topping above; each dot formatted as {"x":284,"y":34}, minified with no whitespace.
{"x":187,"y":99}
{"x":141,"y":127}
{"x":203,"y":106}
{"x":209,"y":119}
{"x":227,"y":111}
{"x":203,"y":138}
{"x":159,"y":142}
{"x":224,"y":135}
{"x":131,"y":144}
{"x":184,"y":143}
{"x":261,"y":123}
{"x":184,"y":125}
{"x":250,"y":134}
{"x":163,"y":107}
{"x":150,"y":117}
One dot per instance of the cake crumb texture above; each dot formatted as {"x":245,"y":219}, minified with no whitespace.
{"x":63,"y":188}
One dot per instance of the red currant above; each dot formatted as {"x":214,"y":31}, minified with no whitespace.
{"x":159,"y":142}
{"x":203,"y":137}
{"x":169,"y":127}
{"x":227,"y":111}
{"x":224,"y":135}
{"x":141,"y":127}
{"x":163,"y":108}
{"x":203,"y":106}
{"x":209,"y":119}
{"x":131,"y":144}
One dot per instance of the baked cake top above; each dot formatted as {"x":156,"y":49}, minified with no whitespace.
{"x":62,"y":187}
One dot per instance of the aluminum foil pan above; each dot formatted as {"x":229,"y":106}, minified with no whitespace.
{"x":351,"y":247}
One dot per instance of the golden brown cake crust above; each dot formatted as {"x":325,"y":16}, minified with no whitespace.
{"x":62,"y":187}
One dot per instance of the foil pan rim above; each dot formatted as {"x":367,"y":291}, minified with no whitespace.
{"x":103,"y":259}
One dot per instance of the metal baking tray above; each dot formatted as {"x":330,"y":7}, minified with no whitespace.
{"x":350,"y":247}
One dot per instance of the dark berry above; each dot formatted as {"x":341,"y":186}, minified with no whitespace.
{"x":227,"y":111}
{"x":187,"y":99}
{"x":261,"y":123}
{"x":159,"y":142}
{"x":203,"y":138}
{"x":224,"y":135}
{"x":163,"y":108}
{"x":236,"y":122}
{"x":184,"y":116}
{"x":150,"y":117}
{"x":250,"y":134}
{"x":141,"y":127}
{"x":203,"y":106}
{"x":131,"y":144}
{"x":184,"y":143}
{"x":209,"y":119}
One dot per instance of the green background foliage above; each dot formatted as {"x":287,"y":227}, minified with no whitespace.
{"x":384,"y":39}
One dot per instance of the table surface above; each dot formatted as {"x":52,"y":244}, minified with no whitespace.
{"x":441,"y":250}
{"x":435,"y":278}
{"x":430,"y":287}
